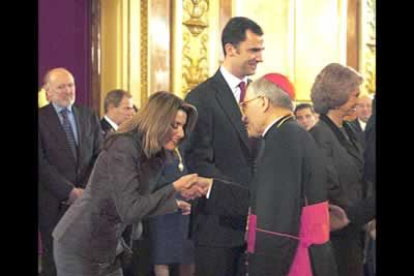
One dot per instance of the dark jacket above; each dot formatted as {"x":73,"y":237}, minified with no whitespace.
{"x":220,"y":148}
{"x":119,"y":193}
{"x":343,"y":159}
{"x":106,"y":127}
{"x":59,"y":172}
{"x":290,"y":170}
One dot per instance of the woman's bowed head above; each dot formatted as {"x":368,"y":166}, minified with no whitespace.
{"x":164,"y":122}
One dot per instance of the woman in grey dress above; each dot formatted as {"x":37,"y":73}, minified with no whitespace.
{"x":122,"y":189}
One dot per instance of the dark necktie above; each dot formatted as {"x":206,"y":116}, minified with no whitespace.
{"x":242,"y":86}
{"x":69,"y":132}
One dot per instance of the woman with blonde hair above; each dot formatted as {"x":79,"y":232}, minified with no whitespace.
{"x":121,"y":190}
{"x":334,"y":94}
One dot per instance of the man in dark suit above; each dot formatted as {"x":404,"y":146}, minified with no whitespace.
{"x":363,"y":111}
{"x":69,"y":141}
{"x":118,"y":107}
{"x":219,"y":148}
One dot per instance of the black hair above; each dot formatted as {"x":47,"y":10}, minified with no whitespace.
{"x":235,"y":31}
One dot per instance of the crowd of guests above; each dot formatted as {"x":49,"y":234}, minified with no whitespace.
{"x":232,"y":180}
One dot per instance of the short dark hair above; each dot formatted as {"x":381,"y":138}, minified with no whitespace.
{"x":115,"y":97}
{"x":303,"y":106}
{"x":235,"y":31}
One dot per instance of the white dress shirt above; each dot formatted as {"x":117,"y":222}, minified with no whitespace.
{"x":233,"y":82}
{"x":362,"y":124}
{"x":113,"y":125}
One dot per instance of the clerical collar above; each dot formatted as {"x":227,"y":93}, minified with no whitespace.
{"x":279,"y":120}
{"x":113,"y":125}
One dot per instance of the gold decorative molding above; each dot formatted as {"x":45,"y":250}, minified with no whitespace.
{"x":144,"y":51}
{"x":195,"y":44}
{"x":197,"y":11}
{"x":368,"y":50}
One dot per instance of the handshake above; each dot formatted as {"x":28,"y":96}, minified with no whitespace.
{"x":192,"y":186}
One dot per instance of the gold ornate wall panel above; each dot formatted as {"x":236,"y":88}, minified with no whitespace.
{"x":368,"y":46}
{"x":353,"y":26}
{"x":115,"y":51}
{"x":159,"y":45}
{"x":195,"y":37}
{"x":196,"y":45}
{"x":320,"y":39}
{"x":144,"y":50}
{"x":154,"y":45}
{"x":300,"y":37}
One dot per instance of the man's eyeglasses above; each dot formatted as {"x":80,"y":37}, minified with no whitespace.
{"x":244,"y":103}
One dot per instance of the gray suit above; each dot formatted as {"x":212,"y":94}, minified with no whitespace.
{"x":119,"y":193}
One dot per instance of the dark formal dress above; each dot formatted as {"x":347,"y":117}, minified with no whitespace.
{"x":60,"y":170}
{"x":290,"y":177}
{"x":343,"y":158}
{"x":218,"y":148}
{"x":168,"y":234}
{"x":121,"y":191}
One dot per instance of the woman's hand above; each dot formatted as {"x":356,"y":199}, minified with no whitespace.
{"x":185,"y":182}
{"x":200,"y":188}
{"x":184,"y":206}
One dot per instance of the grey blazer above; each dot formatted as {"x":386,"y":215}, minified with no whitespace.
{"x":119,"y":193}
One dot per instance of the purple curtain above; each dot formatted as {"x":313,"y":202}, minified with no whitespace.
{"x":64,"y":41}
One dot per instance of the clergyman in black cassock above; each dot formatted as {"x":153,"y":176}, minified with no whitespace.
{"x":289,"y":220}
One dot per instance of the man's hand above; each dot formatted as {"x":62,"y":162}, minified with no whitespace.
{"x":193,"y":192}
{"x":200,"y":188}
{"x":74,"y":195}
{"x":184,"y":206}
{"x":338,"y":217}
{"x":205,"y":183}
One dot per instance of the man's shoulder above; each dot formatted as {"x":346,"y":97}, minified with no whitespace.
{"x":206,"y":88}
{"x":201,"y":90}
{"x":44,"y":110}
{"x":290,"y":131}
{"x":321,"y":131}
{"x":85,"y":112}
{"x":84,"y":109}
{"x":124,"y":143}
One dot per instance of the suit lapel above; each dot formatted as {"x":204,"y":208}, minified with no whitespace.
{"x":229,"y":105}
{"x":57,"y":130}
{"x":352,"y":147}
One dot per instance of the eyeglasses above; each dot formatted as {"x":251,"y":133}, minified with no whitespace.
{"x":244,"y":103}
